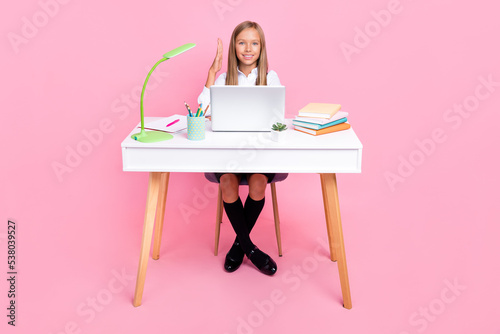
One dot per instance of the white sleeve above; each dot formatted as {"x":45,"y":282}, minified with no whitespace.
{"x":272,"y":79}
{"x":204,"y":97}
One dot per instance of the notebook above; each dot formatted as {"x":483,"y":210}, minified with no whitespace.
{"x":315,"y":126}
{"x":246,"y":108}
{"x":333,"y":128}
{"x":319,"y":110}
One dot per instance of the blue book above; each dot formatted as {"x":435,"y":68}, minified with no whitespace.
{"x":315,"y":126}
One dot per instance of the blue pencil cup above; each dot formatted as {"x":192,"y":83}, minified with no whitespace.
{"x":196,"y":128}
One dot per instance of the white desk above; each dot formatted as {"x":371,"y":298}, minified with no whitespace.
{"x":338,"y":152}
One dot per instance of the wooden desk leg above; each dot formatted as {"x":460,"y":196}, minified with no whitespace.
{"x":147,"y":234}
{"x":329,"y":182}
{"x":276,"y":218}
{"x":160,"y":214}
{"x":329,"y":230}
{"x":218,"y":220}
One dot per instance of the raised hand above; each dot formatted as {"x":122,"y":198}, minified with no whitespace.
{"x":216,"y":65}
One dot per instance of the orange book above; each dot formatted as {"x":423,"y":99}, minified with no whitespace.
{"x":333,"y":128}
{"x":319,"y":110}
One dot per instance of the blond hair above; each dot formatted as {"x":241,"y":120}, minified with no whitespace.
{"x":232,"y":59}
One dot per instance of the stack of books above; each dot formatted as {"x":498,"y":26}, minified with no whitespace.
{"x":320,"y":118}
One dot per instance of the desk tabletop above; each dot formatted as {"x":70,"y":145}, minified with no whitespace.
{"x":246,"y":152}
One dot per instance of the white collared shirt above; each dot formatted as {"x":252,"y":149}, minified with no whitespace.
{"x":243,"y":80}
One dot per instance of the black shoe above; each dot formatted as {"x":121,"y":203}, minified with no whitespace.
{"x":262,"y":261}
{"x":234,"y":258}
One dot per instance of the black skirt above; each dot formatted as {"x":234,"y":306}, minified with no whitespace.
{"x":244,"y":176}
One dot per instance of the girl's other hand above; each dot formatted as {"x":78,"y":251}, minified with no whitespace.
{"x":217,"y":64}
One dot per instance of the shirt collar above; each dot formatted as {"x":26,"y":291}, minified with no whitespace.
{"x":254,"y":71}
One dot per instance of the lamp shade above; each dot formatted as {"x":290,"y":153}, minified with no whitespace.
{"x":179,"y":50}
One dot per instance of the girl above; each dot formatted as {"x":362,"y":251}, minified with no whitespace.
{"x":246,"y":66}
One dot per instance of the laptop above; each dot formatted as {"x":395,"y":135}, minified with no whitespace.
{"x":246,"y":108}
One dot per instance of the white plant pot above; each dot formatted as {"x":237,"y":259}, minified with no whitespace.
{"x":278,"y":136}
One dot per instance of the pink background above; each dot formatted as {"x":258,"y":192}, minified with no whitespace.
{"x":434,"y":225}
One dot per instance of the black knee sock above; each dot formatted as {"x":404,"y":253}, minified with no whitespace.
{"x":236,"y":215}
{"x":252,"y":210}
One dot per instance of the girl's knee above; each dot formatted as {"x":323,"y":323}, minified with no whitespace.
{"x":257,"y":186}
{"x":229,"y":184}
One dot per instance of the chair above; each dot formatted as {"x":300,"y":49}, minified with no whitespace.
{"x":218,"y":220}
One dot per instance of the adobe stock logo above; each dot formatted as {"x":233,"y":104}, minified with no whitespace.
{"x":373,"y":28}
{"x":264,"y":309}
{"x":427,"y":146}
{"x":88,"y":310}
{"x":31,"y":26}
{"x":223,"y":6}
{"x":121,"y":109}
{"x":421,"y":319}
{"x":199,"y":201}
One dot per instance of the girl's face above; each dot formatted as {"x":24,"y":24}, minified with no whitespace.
{"x":248,"y":48}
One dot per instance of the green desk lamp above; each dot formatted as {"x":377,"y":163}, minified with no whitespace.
{"x":155,"y":136}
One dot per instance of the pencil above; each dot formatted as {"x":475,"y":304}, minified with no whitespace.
{"x":201,"y":110}
{"x":206,"y":110}
{"x":189,"y":109}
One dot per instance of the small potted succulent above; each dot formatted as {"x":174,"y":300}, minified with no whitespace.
{"x":278,"y":131}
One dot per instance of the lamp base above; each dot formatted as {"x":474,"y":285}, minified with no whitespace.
{"x":151,"y":136}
